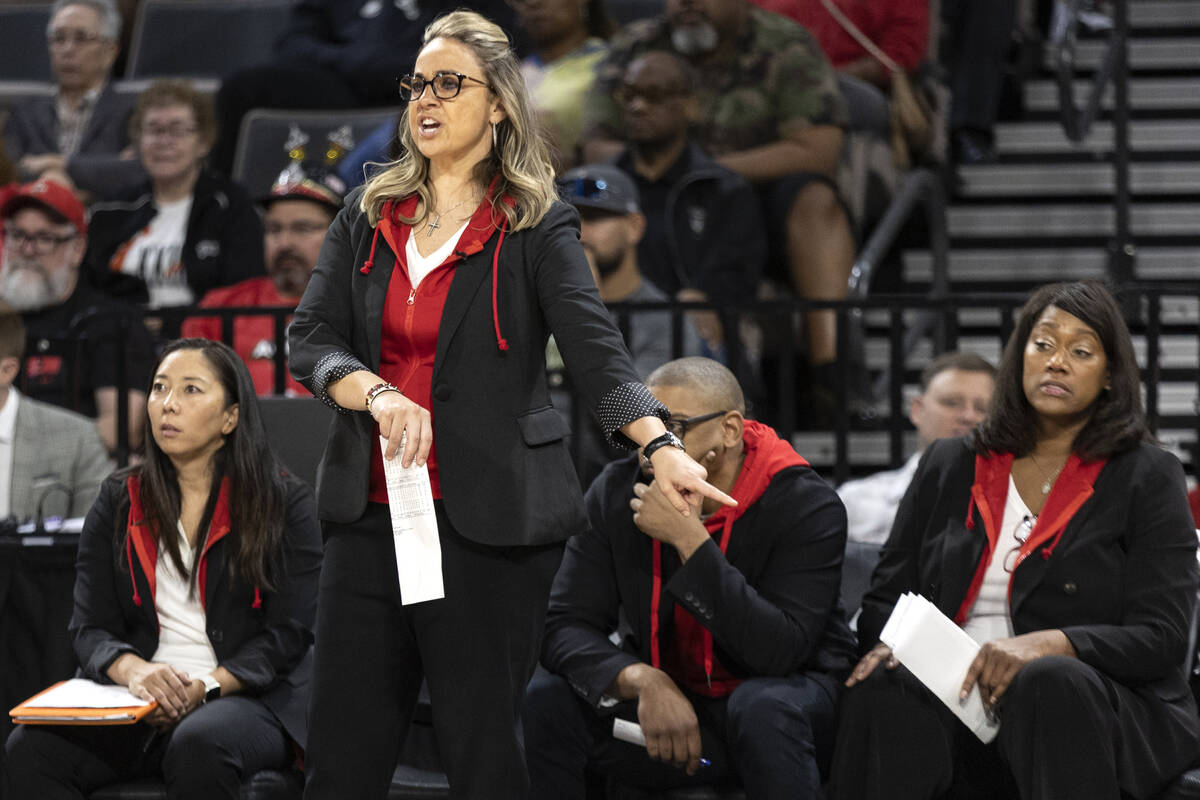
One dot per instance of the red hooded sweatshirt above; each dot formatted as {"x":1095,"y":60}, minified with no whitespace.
{"x":688,"y":656}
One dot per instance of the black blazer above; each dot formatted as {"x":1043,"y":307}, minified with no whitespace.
{"x":223,"y":244}
{"x":506,"y":474}
{"x":1121,"y":583}
{"x":97,"y":165}
{"x":268,"y":648}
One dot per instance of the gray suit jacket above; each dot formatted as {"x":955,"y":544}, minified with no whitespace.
{"x":96,"y":166}
{"x":56,"y":454}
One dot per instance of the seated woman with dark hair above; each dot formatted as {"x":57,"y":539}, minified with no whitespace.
{"x":196,"y":587}
{"x":1059,"y":538}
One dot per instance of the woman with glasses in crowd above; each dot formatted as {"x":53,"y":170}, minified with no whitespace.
{"x":1058,"y":536}
{"x":188,"y":230}
{"x":195,"y":587}
{"x":425,"y":324}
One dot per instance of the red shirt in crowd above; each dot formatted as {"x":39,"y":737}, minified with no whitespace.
{"x":898,"y":27}
{"x":253,"y":337}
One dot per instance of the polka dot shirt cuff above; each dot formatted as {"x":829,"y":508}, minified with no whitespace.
{"x":622,"y":405}
{"x":331,"y":369}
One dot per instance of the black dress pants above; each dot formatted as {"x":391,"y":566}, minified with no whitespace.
{"x":207,"y":756}
{"x":1067,"y":732}
{"x":476,"y":649}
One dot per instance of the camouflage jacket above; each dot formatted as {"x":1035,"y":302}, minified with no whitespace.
{"x":778,"y":80}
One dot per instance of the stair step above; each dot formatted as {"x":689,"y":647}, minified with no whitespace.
{"x":1033,"y":138}
{"x":1160,"y":53}
{"x":1084,"y":219}
{"x":1145,"y":94}
{"x":1164,"y":14}
{"x":1041,"y":264}
{"x":1051,"y":180}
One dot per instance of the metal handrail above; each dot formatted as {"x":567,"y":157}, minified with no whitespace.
{"x":1077,"y":123}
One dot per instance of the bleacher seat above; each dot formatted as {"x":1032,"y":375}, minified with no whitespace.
{"x":260,"y":154}
{"x":203,"y":38}
{"x":296,"y":430}
{"x":23,"y":42}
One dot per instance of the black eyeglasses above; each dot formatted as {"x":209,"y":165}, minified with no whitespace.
{"x":43,"y":243}
{"x":679,"y":425}
{"x":445,"y":85}
{"x":1021,"y":534}
{"x":626,"y":93}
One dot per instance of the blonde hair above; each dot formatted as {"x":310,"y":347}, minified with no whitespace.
{"x":520,"y":161}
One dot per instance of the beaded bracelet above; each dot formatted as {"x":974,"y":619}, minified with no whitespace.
{"x":377,"y":390}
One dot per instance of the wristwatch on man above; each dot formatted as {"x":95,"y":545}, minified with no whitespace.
{"x":212,"y":689}
{"x":665,"y":440}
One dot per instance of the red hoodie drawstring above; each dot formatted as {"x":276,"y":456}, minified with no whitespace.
{"x":971,"y":517}
{"x":137,"y":598}
{"x":257,"y":599}
{"x":501,"y":342}
{"x":365,"y":269}
{"x":655,"y":599}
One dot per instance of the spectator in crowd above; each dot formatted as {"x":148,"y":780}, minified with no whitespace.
{"x":771,"y":112}
{"x":977,"y":37}
{"x":568,"y":40}
{"x":335,"y":54}
{"x":190,"y":230}
{"x":55,"y":458}
{"x":1058,"y":537}
{"x":80,"y":135}
{"x":611,"y":225}
{"x":737,"y":638}
{"x":196,"y":588}
{"x":297,"y":213}
{"x":704,"y":237}
{"x":900,"y":28}
{"x":956,"y":389}
{"x":76,"y":359}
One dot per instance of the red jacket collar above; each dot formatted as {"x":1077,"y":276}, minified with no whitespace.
{"x":142,"y":540}
{"x":989,"y":494}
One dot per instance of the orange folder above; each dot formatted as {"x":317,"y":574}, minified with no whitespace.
{"x":26,"y":715}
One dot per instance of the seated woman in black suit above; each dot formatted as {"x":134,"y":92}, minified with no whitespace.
{"x":196,"y":586}
{"x":1059,"y":538}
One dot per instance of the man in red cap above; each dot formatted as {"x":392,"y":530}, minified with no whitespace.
{"x":75,"y":334}
{"x":297,"y":213}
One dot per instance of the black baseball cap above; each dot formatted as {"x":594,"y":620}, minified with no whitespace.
{"x":600,"y":186}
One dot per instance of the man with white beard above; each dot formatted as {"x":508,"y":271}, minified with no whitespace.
{"x":75,"y":354}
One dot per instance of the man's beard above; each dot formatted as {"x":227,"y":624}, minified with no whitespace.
{"x":289,"y":272}
{"x":694,"y":40}
{"x":608,"y":263}
{"x":27,"y":286}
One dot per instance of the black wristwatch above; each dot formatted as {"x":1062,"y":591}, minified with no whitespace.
{"x":667,"y":439}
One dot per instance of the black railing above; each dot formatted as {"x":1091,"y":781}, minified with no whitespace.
{"x":888,"y":321}
{"x":1077,"y":122}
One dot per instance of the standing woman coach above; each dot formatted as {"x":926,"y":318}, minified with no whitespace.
{"x":429,"y":309}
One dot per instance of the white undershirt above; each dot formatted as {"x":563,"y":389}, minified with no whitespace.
{"x":156,"y":256}
{"x":418,"y":265}
{"x":8,"y":431}
{"x":989,"y":616}
{"x":182,"y":639}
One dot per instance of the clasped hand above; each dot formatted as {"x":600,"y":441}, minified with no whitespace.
{"x":396,"y":416}
{"x":669,"y":723}
{"x":174,"y":691}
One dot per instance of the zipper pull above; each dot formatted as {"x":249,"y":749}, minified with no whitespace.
{"x":412,"y":296}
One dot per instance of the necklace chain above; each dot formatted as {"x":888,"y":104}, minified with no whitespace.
{"x":1047,"y":481}
{"x":434,"y":224}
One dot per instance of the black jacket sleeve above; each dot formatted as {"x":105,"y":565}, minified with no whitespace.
{"x":290,"y":609}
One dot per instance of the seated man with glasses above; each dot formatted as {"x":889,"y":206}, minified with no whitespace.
{"x":80,"y":134}
{"x":82,"y":346}
{"x":734,"y":642}
{"x":296,"y":215}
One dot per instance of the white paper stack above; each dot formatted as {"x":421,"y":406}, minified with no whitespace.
{"x":938,"y":653}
